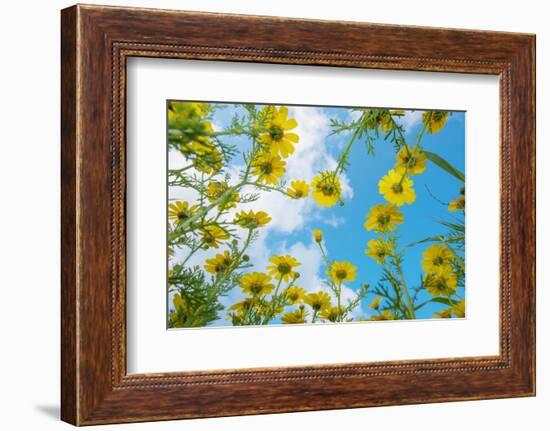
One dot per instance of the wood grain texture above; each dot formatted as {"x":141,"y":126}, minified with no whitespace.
{"x":96,"y":41}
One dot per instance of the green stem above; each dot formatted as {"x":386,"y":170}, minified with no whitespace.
{"x":343,"y":157}
{"x":410,"y":306}
{"x":236,"y":261}
{"x":325,"y":257}
{"x":338,"y":300}
{"x":193,"y":251}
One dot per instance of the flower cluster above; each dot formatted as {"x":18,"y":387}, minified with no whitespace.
{"x":210,"y":231}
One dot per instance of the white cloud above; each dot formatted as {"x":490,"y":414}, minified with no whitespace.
{"x":334,"y":221}
{"x":410,"y":119}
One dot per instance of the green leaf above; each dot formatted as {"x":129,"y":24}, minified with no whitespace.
{"x":440,"y":238}
{"x":445,"y":301}
{"x":443,"y":164}
{"x":454,"y":226}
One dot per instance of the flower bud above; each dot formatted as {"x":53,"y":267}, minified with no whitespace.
{"x":318,"y":235}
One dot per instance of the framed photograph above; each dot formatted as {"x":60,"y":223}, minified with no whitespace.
{"x":268,"y":215}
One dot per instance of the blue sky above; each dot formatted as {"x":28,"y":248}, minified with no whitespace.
{"x":345,"y":237}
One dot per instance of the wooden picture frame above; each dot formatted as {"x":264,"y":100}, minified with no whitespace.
{"x":95,"y":42}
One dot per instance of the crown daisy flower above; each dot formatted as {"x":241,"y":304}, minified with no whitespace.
{"x":379,"y":249}
{"x":440,"y":284}
{"x":383,"y":218}
{"x":256,"y":284}
{"x":277,"y":137}
{"x":269,"y":168}
{"x":180,"y":211}
{"x":318,"y":300}
{"x":326,"y":189}
{"x":411,"y":160}
{"x":434,"y":120}
{"x":342,"y":271}
{"x":213,"y":235}
{"x":298,"y":190}
{"x":282,"y":268}
{"x":396,"y":187}
{"x":251,"y":219}
{"x":437,"y":258}
{"x":219,"y":263}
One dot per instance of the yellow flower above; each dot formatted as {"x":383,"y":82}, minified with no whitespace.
{"x":441,"y":284}
{"x":268,"y":168}
{"x":383,"y":218}
{"x":294,"y":317}
{"x":256,"y":284}
{"x":219,"y":263}
{"x":252,"y":220}
{"x":180,"y":211}
{"x":318,"y":300}
{"x":379,"y":249}
{"x":385,"y":315}
{"x":191,"y":133}
{"x":299,"y":189}
{"x":216,"y":189}
{"x":243,"y":306}
{"x":385,"y":121}
{"x":458,"y":204}
{"x":459,"y":309}
{"x":187,"y":109}
{"x":434,"y":120}
{"x":444,"y":314}
{"x":342,"y":271}
{"x":375,"y":304}
{"x":331,"y":314}
{"x":213,"y":235}
{"x":282,"y":267}
{"x":210,"y":162}
{"x":326,"y":189}
{"x":277,"y":137}
{"x":411,"y":160}
{"x":197,"y":142}
{"x":437,"y":258}
{"x":318,"y":235}
{"x":396,"y":187}
{"x":295,"y":295}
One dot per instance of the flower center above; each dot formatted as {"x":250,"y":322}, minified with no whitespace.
{"x":182,"y":215}
{"x":384,"y":219}
{"x":276,"y":133}
{"x":441,"y":285}
{"x":341,"y":274}
{"x":283,"y":268}
{"x":328,"y":189}
{"x":397,"y":188}
{"x":266,"y":168}
{"x":438,"y":261}
{"x":256,"y":288}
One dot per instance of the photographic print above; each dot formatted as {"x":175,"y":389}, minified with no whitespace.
{"x":290,"y":214}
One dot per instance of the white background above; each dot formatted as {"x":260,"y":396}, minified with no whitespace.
{"x":29,"y":220}
{"x":151,"y":348}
